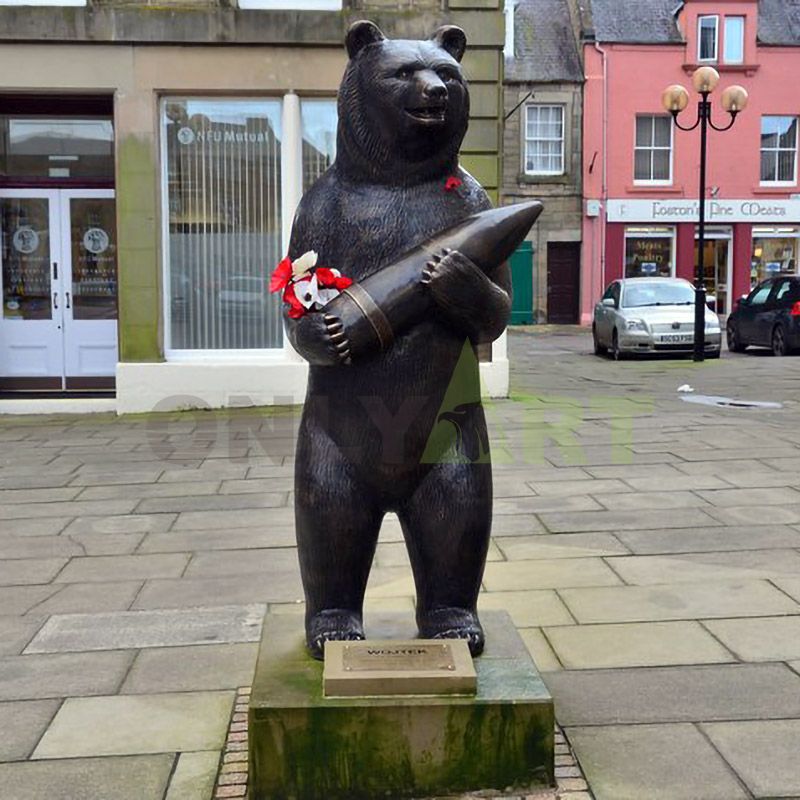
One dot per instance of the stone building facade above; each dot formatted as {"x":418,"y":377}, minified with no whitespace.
{"x":542,"y":146}
{"x":151,"y":158}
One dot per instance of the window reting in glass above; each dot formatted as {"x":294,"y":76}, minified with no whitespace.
{"x":707,"y":28}
{"x":653,"y":149}
{"x":544,"y":140}
{"x":778,"y":149}
{"x":223,"y":196}
{"x":649,"y":254}
{"x":733,"y":42}
{"x":319,"y":120}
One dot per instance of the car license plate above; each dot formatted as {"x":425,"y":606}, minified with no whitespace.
{"x":677,"y":338}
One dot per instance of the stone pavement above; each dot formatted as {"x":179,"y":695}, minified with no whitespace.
{"x":648,"y":548}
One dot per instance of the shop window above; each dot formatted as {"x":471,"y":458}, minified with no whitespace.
{"x":544,"y":140}
{"x":652,"y":161}
{"x":775,"y":253}
{"x":733,"y":42}
{"x":319,"y":138}
{"x":707,"y":37}
{"x":649,"y":253}
{"x":779,"y":150}
{"x":62,"y":147}
{"x":223,"y":197}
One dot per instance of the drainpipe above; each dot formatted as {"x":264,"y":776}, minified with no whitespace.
{"x":604,"y":187}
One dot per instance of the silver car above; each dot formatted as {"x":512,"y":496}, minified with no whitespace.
{"x":650,"y":315}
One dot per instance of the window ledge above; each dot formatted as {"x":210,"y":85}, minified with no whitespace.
{"x":747,"y":69}
{"x":775,"y":188}
{"x":644,"y":188}
{"x":524,"y":178}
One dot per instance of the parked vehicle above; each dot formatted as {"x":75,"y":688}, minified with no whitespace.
{"x":650,"y":315}
{"x":768,"y":317}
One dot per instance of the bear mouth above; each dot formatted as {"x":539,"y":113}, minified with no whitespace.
{"x":428,"y":115}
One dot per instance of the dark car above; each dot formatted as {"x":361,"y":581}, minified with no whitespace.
{"x":768,"y":317}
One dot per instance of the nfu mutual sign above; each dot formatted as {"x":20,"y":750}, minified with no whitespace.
{"x":668,"y":211}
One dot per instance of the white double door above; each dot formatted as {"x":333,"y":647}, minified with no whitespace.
{"x":58,"y":257}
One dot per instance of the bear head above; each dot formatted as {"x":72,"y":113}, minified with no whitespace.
{"x":403,"y":106}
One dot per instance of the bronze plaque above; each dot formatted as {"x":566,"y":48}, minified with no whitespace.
{"x":371,"y":657}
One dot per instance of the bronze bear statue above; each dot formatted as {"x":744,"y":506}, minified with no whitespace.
{"x":370,"y":410}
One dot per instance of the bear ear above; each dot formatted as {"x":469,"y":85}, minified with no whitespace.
{"x":452,"y":39}
{"x":361,"y":34}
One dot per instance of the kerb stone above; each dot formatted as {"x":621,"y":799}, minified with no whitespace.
{"x":303,"y":745}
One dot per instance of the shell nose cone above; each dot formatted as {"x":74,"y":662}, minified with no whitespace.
{"x":500,"y":231}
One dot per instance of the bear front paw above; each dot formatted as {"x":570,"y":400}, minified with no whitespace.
{"x":338,"y":337}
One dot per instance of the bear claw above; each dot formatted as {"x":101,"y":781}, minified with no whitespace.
{"x":333,"y":625}
{"x":453,"y":623}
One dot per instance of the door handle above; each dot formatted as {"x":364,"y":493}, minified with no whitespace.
{"x":55,"y":300}
{"x":55,"y":270}
{"x":68,"y":305}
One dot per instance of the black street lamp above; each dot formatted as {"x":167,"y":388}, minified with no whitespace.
{"x":675,"y":99}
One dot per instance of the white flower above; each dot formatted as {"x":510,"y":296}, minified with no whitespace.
{"x":306,"y":262}
{"x":310,"y":294}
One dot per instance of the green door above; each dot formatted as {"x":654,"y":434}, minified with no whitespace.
{"x":522,"y":284}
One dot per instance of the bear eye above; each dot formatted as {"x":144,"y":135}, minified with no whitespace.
{"x":404,"y":73}
{"x":446,"y":74}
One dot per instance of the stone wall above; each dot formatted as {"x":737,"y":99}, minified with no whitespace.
{"x":561,"y":195}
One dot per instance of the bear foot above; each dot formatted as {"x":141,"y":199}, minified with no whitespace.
{"x":452,"y":623}
{"x":334,"y":624}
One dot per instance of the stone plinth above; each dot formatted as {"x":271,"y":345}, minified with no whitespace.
{"x":304,"y":745}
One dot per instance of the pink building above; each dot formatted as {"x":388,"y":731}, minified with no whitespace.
{"x":640,"y":174}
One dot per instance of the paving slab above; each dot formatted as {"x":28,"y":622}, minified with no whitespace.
{"x":759,"y":639}
{"x":566,"y":488}
{"x":227,"y":520}
{"x":194,"y":776}
{"x":718,"y":538}
{"x":212,"y":502}
{"x":127,"y":523}
{"x":636,"y":501}
{"x":548,"y":574}
{"x":133,"y":778}
{"x":710,"y":599}
{"x":267,"y":561}
{"x":192,"y":668}
{"x":237,"y":539}
{"x":19,"y":599}
{"x":73,"y":508}
{"x":763,"y":753}
{"x":537,"y":505}
{"x":15,"y":633}
{"x":789,"y":585}
{"x":28,"y":571}
{"x":575,"y":545}
{"x":62,"y":675}
{"x":675,"y":694}
{"x":148,"y":490}
{"x":48,"y":526}
{"x":635,"y":644}
{"x":693,"y":567}
{"x":581,"y":521}
{"x":756,"y":515}
{"x":36,"y":495}
{"x":191,"y":592}
{"x":774,"y":495}
{"x":22,"y":724}
{"x":656,"y":762}
{"x":154,"y":723}
{"x":121,"y":630}
{"x":107,"y":544}
{"x":528,"y":608}
{"x":516,"y":525}
{"x":76,"y":598}
{"x":12,"y":546}
{"x":676,"y":482}
{"x":542,"y":654}
{"x":122,"y":568}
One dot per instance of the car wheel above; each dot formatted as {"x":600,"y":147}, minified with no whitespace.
{"x":615,"y":351}
{"x":779,"y":344}
{"x":734,"y":342}
{"x":599,"y":349}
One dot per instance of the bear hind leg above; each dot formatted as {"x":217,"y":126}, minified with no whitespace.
{"x":446,"y":524}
